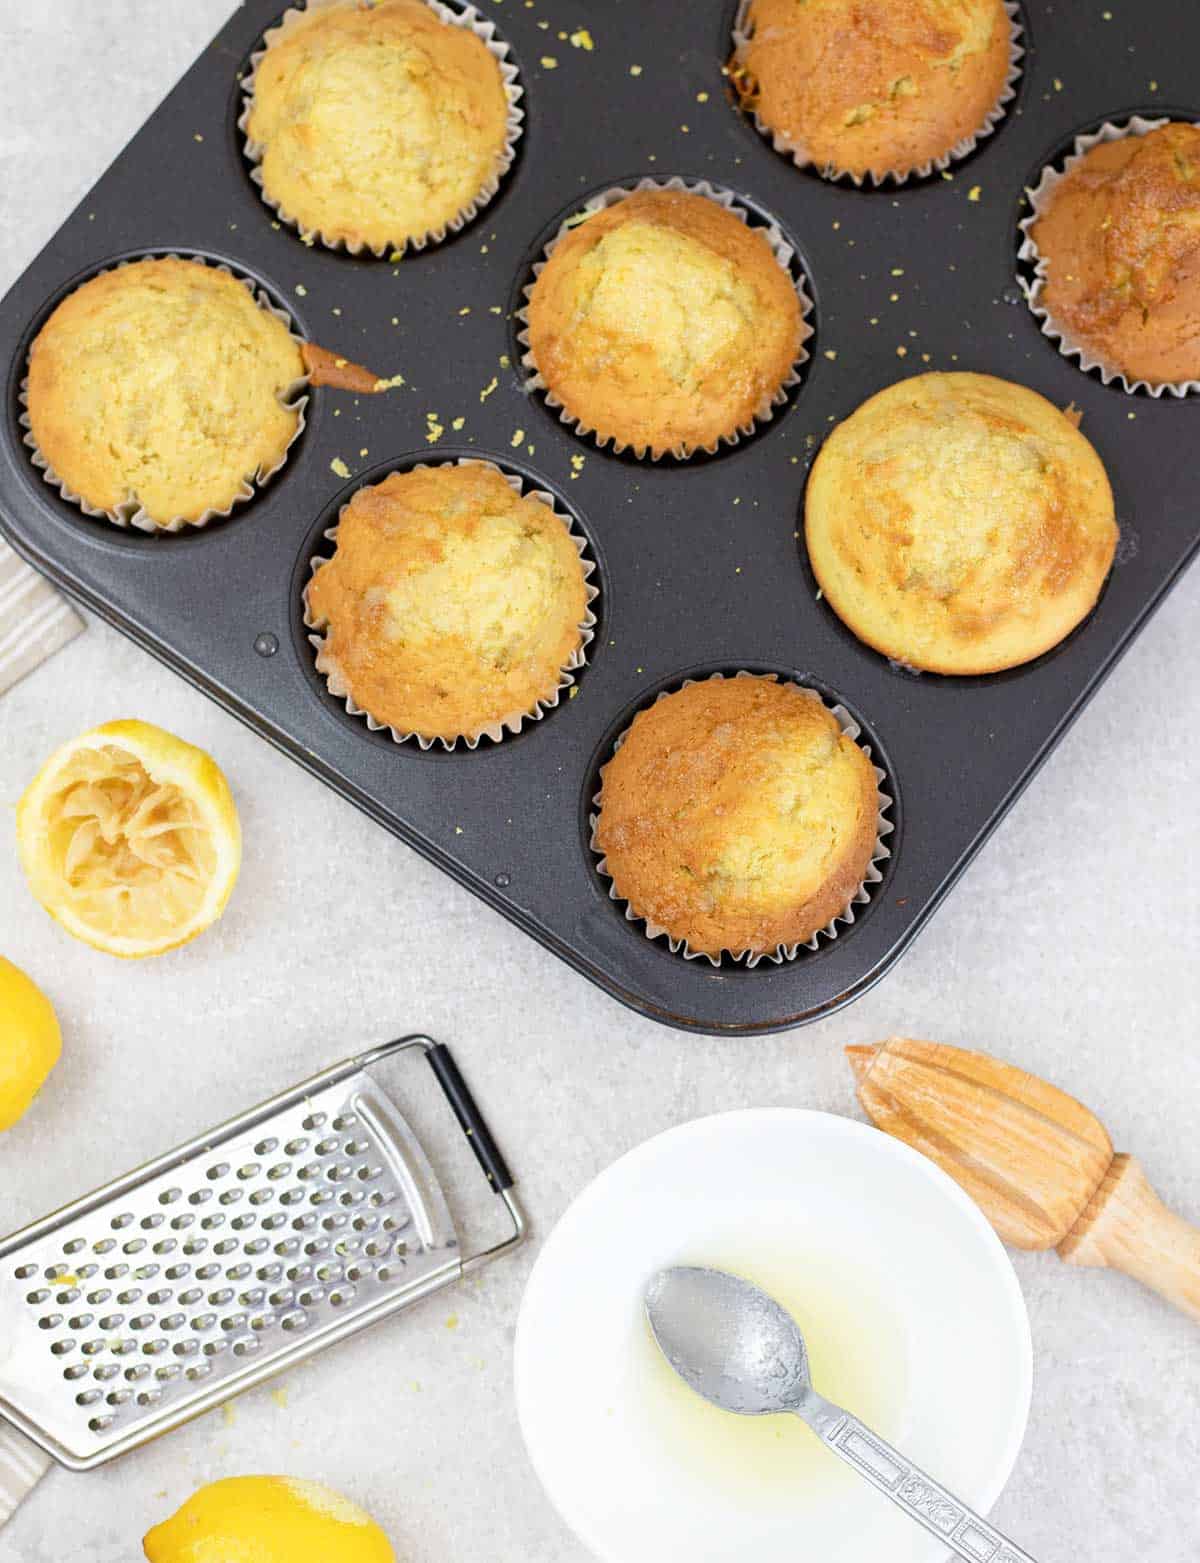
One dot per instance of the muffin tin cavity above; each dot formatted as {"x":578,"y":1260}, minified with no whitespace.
{"x":882,"y":856}
{"x":786,"y":252}
{"x":320,"y":546}
{"x":456,"y":13}
{"x":128,"y":522}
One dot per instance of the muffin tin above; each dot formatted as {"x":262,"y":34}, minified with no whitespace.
{"x":700,"y":566}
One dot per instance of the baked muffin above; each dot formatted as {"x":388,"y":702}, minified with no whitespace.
{"x":959,"y":523}
{"x":738,"y":816}
{"x":1119,"y":238}
{"x":663,"y":322}
{"x":162,"y":383}
{"x":873,"y":87}
{"x":377,"y":124}
{"x":452,"y":605}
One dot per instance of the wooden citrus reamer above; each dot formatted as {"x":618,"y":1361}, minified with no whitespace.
{"x":1036,"y":1161}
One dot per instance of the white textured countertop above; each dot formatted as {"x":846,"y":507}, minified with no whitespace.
{"x":1070,"y":947}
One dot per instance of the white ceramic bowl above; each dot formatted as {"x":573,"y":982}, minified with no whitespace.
{"x":912,"y":1313}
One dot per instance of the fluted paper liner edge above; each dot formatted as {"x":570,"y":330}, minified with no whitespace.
{"x":880,"y":853}
{"x":1040,"y":197}
{"x":784,"y":254}
{"x":742,"y":33}
{"x":130,"y":512}
{"x":500,"y":51}
{"x":515,"y":721}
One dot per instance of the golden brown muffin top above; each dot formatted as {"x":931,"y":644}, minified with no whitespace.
{"x":664,"y":322}
{"x":377,"y":124}
{"x":161,"y":382}
{"x":451,"y":604}
{"x":959,"y":523}
{"x":874,"y":86}
{"x":1121,"y":240}
{"x":738,"y":816}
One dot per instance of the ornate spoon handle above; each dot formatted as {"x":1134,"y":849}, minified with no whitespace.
{"x":966,"y":1533}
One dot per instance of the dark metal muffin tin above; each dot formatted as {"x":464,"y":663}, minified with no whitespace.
{"x":700,"y":567}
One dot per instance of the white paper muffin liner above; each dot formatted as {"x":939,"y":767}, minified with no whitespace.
{"x":516,"y":720}
{"x":485,"y":31}
{"x":742,"y":32}
{"x":783,"y":253}
{"x":1039,"y":198}
{"x":130,"y":512}
{"x":782,"y":952}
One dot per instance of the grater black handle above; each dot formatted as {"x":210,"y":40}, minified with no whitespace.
{"x":470,"y":1119}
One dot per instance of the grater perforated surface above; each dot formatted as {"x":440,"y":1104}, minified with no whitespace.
{"x":169,"y":1290}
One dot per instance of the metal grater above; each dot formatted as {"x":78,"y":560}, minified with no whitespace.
{"x":224,"y":1262}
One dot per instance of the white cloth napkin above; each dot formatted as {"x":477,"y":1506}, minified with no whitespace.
{"x":35,"y":620}
{"x":22,"y":1465}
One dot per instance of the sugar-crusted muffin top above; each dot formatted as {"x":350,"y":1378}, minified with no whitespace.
{"x":161,"y":382}
{"x":959,"y":523}
{"x":664,"y":322}
{"x":737,"y":815}
{"x":874,"y":86}
{"x":451,"y":603}
{"x":378,"y":124}
{"x":1121,"y":240}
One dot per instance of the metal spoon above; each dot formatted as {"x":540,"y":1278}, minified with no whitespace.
{"x":738,"y":1348}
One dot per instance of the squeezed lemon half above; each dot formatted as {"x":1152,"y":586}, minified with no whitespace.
{"x":129,"y":838}
{"x":30,"y":1041}
{"x":268,"y":1519}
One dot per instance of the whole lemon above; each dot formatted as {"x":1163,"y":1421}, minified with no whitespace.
{"x":268,"y":1519}
{"x":30,"y":1041}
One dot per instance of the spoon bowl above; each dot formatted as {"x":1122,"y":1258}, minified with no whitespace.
{"x":728,"y":1340}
